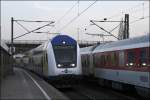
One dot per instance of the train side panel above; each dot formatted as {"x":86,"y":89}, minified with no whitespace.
{"x":128,"y":66}
{"x":125,"y":76}
{"x":51,"y":61}
{"x":6,"y":67}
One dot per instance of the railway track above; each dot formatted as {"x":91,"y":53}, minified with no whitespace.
{"x":93,"y":91}
{"x":84,"y":93}
{"x":74,"y":94}
{"x":101,"y":91}
{"x":89,"y":90}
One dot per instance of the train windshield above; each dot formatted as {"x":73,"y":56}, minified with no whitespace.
{"x":65,"y":55}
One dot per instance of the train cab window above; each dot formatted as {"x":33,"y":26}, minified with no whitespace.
{"x":130,"y":58}
{"x":65,"y":55}
{"x":144,"y":57}
{"x":121,"y":58}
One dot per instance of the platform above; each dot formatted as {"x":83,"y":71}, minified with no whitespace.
{"x":26,"y":85}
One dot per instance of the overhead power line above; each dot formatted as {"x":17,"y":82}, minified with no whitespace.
{"x":65,"y":14}
{"x":132,"y":9}
{"x":34,"y":30}
{"x":78,"y":15}
{"x":22,"y":26}
{"x":104,"y":29}
{"x":32,"y":21}
{"x":139,"y":19}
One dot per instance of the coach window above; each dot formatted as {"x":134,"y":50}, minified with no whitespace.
{"x":108,"y":60}
{"x":82,"y":60}
{"x":102,"y":60}
{"x":94,"y":60}
{"x":103,"y":57}
{"x":130,"y":58}
{"x":88,"y":60}
{"x":105,"y":60}
{"x":121,"y":58}
{"x":113,"y":58}
{"x":97,"y":62}
{"x":144,"y":57}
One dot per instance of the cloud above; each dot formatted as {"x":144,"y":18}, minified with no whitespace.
{"x":42,"y":7}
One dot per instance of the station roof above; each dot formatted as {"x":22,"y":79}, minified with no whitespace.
{"x":3,"y":45}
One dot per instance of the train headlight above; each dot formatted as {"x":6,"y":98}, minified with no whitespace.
{"x":131,"y":64}
{"x":59,"y":65}
{"x":143,"y":64}
{"x":72,"y":65}
{"x":64,"y":42}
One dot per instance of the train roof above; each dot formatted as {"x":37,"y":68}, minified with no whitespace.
{"x":40,"y":47}
{"x":88,"y":49}
{"x":63,"y":39}
{"x":142,"y":41}
{"x":57,"y":40}
{"x":4,"y":46}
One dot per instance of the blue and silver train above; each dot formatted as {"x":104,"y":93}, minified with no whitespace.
{"x":59,"y":57}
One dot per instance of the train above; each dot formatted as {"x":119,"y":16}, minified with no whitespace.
{"x":6,"y":66}
{"x":120,"y":64}
{"x":56,"y":59}
{"x":18,"y":60}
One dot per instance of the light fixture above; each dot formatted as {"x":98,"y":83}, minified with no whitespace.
{"x":72,"y":65}
{"x":59,"y":65}
{"x":64,"y":42}
{"x":144,"y":64}
{"x":131,"y":64}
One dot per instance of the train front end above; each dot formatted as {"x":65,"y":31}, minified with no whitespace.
{"x":67,"y":61}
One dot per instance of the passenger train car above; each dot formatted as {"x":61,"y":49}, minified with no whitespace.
{"x":87,"y":60}
{"x":57,"y":58}
{"x":6,"y":60}
{"x":121,"y":64}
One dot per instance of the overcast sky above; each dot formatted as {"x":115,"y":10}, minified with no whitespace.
{"x":55,"y":10}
